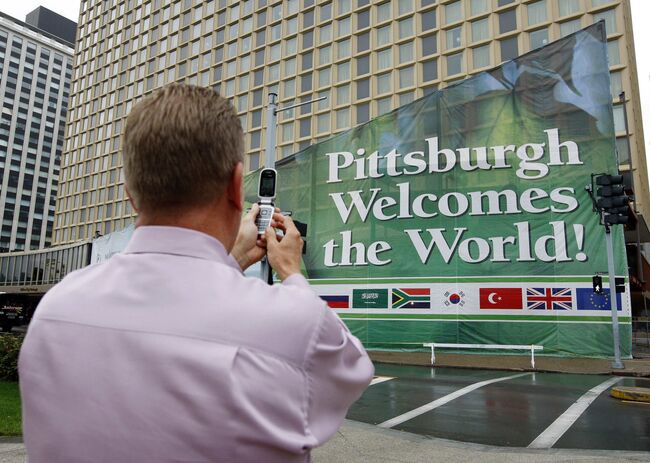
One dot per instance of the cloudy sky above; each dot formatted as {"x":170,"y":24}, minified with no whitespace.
{"x":640,"y":11}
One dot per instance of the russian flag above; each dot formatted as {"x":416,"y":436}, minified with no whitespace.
{"x":337,"y":301}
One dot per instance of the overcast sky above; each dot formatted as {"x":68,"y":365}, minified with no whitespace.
{"x":640,"y":12}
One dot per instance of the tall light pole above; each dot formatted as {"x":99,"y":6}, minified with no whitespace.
{"x":269,"y":154}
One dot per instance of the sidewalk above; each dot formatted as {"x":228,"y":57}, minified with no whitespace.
{"x":634,"y":367}
{"x":364,"y":443}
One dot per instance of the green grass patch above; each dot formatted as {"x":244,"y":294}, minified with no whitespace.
{"x":10,"y":418}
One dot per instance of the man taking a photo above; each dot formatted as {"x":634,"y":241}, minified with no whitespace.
{"x":166,"y":352}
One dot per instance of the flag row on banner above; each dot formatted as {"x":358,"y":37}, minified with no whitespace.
{"x":534,"y":297}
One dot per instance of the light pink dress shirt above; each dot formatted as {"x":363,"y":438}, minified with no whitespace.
{"x":167,"y":353}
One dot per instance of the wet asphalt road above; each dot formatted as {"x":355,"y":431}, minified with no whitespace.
{"x":506,"y":409}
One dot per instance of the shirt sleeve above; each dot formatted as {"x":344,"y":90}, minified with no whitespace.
{"x":338,"y":370}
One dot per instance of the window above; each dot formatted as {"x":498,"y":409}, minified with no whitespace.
{"x":480,"y":30}
{"x":455,"y":64}
{"x":343,"y":118}
{"x":509,"y":49}
{"x":536,"y":12}
{"x":481,"y":57}
{"x":363,"y":88}
{"x":479,"y":6}
{"x":287,"y":132}
{"x":305,"y":127}
{"x":405,"y":28}
{"x":343,"y":95}
{"x":619,"y":119}
{"x":326,"y":12}
{"x":383,"y":12}
{"x":344,"y":27}
{"x":610,"y":20}
{"x":343,"y":49}
{"x":623,"y":150}
{"x":325,"y":33}
{"x":597,"y":3}
{"x":613,"y":53}
{"x":363,"y":113}
{"x":404,"y":6}
{"x":363,"y":65}
{"x":428,"y":20}
{"x":430,"y":70}
{"x":290,"y":67}
{"x":384,"y":105}
{"x":325,"y":55}
{"x":305,"y":82}
{"x":406,"y":77}
{"x":323,"y":123}
{"x":383,"y":36}
{"x":343,"y":72}
{"x":616,"y":84}
{"x":454,"y":37}
{"x":384,"y":59}
{"x":429,"y":45}
{"x":507,"y":21}
{"x":363,"y":42}
{"x":291,"y":46}
{"x":538,"y":38}
{"x":567,"y":7}
{"x":343,"y":6}
{"x":405,"y":98}
{"x":453,"y":12}
{"x":569,"y":27}
{"x":324,"y":77}
{"x":384,"y":83}
{"x":406,"y":52}
{"x":363,"y":19}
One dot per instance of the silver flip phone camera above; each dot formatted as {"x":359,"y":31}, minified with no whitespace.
{"x":266,"y":193}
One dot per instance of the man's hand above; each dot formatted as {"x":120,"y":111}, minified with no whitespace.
{"x":284,"y":255}
{"x":248,"y":249}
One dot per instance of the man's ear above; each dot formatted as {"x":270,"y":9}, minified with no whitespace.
{"x":128,"y":195}
{"x":235,"y":190}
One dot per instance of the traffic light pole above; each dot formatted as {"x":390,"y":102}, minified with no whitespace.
{"x":618,"y":364}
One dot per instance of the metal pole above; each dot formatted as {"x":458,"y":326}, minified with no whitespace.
{"x":269,"y":162}
{"x":271,"y":124}
{"x":612,"y":298}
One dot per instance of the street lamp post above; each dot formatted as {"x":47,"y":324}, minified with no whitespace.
{"x":269,"y":155}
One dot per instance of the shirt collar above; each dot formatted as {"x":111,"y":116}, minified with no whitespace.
{"x":178,"y":241}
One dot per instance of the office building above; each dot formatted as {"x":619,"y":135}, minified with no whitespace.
{"x":367,"y":56}
{"x":35,"y":72}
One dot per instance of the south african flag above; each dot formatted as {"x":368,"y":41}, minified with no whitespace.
{"x":411,"y":298}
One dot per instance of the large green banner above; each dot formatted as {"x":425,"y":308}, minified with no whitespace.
{"x":463,"y":217}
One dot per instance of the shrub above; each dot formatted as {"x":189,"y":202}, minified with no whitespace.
{"x":9,"y":349}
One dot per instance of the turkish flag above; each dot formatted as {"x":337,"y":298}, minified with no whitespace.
{"x":501,"y":298}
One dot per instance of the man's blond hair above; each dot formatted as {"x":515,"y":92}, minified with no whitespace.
{"x":180,"y":147}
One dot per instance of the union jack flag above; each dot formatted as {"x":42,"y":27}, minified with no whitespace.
{"x":549,"y":299}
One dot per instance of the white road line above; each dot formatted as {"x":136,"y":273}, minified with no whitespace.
{"x":380,"y":379}
{"x":552,"y":434}
{"x":443,"y":400}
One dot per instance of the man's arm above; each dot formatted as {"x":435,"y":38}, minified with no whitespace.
{"x":339,"y":371}
{"x":337,"y":364}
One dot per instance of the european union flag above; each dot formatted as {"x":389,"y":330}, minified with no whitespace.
{"x":586,"y":299}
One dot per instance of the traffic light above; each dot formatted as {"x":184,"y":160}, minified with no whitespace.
{"x":612,"y":199}
{"x":598,"y":284}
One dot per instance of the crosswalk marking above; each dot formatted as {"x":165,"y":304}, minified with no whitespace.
{"x":552,"y":434}
{"x":380,"y":379}
{"x":443,"y":400}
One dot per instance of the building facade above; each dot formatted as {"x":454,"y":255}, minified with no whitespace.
{"x":35,"y":73}
{"x":367,"y":56}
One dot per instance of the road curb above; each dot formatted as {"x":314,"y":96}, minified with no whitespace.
{"x":633,"y":394}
